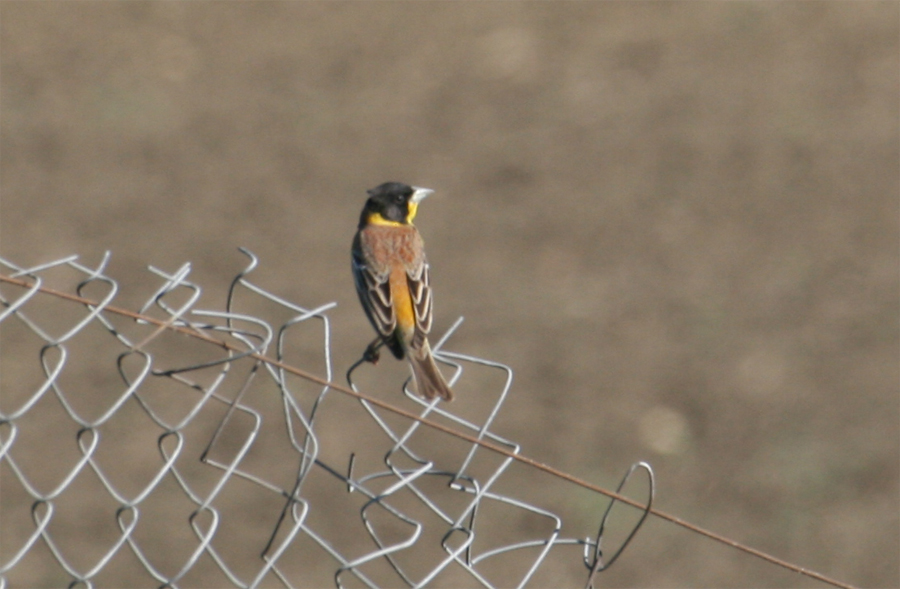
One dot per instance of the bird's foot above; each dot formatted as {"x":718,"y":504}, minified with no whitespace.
{"x":372,"y":354}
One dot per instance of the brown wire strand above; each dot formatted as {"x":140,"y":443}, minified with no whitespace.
{"x":163,"y":325}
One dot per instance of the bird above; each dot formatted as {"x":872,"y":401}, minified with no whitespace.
{"x":391,"y":275}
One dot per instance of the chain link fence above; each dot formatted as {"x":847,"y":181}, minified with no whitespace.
{"x":184,"y":446}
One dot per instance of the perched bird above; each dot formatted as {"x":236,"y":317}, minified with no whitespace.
{"x":391,"y":275}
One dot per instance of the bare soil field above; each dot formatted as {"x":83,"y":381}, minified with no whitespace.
{"x":676,"y":222}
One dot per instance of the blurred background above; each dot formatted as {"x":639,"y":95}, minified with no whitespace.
{"x":677,"y":222}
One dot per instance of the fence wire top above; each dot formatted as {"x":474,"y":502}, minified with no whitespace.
{"x":176,"y":445}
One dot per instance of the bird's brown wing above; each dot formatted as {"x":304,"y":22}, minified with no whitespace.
{"x":374,"y":291}
{"x":420,"y":290}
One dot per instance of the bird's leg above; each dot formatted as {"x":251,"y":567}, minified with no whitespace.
{"x":372,"y":354}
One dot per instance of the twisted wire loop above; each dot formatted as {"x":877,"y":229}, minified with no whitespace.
{"x":234,"y":433}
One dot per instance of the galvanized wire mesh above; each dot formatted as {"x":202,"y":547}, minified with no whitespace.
{"x":132,"y":453}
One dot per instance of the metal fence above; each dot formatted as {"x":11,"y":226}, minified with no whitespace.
{"x":182,"y":446}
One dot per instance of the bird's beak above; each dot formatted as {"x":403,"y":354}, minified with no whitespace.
{"x":420,"y":194}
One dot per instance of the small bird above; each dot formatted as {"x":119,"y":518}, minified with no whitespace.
{"x":391,"y":275}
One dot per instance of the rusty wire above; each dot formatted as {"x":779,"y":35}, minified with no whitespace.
{"x":254,"y":343}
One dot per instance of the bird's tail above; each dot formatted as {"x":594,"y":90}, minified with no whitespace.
{"x":429,"y":379}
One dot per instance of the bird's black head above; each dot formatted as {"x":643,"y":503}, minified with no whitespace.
{"x":392,"y":203}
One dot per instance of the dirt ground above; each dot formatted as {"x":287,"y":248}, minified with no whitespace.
{"x":676,"y":222}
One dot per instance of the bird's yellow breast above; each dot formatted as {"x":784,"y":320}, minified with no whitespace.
{"x":402,"y":300}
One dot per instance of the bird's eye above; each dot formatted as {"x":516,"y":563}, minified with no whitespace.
{"x":398,"y":199}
